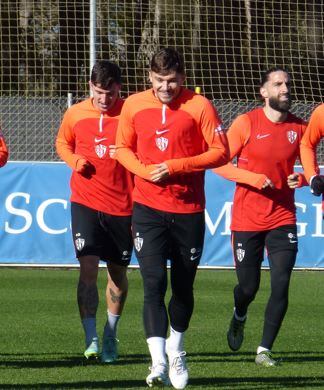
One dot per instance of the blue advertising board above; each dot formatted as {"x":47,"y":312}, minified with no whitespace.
{"x":35,"y":223}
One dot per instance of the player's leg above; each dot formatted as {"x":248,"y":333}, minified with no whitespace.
{"x":187,"y":232}
{"x":154,"y":274}
{"x":248,"y":254}
{"x":151,"y":244}
{"x":88,"y":300}
{"x":117,"y":250}
{"x":84,"y":230}
{"x":116,"y":294}
{"x":282,"y":249}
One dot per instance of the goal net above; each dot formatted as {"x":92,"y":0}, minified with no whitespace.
{"x":45,"y":56}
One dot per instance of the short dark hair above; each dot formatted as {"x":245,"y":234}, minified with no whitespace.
{"x":167,"y":60}
{"x":266,"y":74}
{"x":105,"y":73}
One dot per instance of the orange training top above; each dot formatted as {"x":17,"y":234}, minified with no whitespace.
{"x":3,"y":150}
{"x":263,"y":149}
{"x":186,"y":134}
{"x":310,"y":140}
{"x":86,"y":133}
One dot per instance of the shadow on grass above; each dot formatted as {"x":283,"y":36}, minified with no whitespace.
{"x":274,"y":382}
{"x":47,"y":361}
{"x":290,"y":357}
{"x":122,"y":384}
{"x":277,"y":382}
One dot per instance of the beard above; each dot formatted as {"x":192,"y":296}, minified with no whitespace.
{"x":280,"y":105}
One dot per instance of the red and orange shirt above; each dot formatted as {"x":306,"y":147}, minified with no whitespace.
{"x":186,"y":134}
{"x":263,"y":149}
{"x":3,"y":150}
{"x":310,"y":140}
{"x":86,"y":133}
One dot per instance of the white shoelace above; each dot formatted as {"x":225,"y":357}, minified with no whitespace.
{"x":179,"y":363}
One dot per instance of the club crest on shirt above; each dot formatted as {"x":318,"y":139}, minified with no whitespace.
{"x":100,"y":150}
{"x":240,"y":254}
{"x":162,"y":143}
{"x":79,"y":243}
{"x":292,"y":136}
{"x":138,"y":242}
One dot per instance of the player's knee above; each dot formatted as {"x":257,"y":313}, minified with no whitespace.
{"x":117,"y":275}
{"x":89,"y":269}
{"x":249,"y":292}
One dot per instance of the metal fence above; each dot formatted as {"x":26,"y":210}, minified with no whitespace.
{"x":30,"y":125}
{"x":47,"y":48}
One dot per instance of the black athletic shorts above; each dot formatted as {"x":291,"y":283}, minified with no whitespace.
{"x":100,"y":234}
{"x":158,"y":232}
{"x":248,"y":247}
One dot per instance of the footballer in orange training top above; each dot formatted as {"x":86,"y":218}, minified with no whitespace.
{"x":266,"y":143}
{"x":101,"y":204}
{"x":314,"y":133}
{"x":167,"y":136}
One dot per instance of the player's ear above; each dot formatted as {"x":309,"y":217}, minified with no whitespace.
{"x":263,"y":92}
{"x":150,"y":76}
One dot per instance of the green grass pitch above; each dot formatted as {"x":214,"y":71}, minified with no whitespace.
{"x":42,"y":340}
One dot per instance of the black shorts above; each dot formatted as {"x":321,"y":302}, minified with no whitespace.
{"x":248,"y":247}
{"x":98,"y":234}
{"x":158,"y":232}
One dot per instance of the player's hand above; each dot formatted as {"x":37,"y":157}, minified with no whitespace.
{"x":85,"y":168}
{"x":160,"y":172}
{"x":268,"y":184}
{"x":317,"y":185}
{"x":112,"y":151}
{"x":293,"y":180}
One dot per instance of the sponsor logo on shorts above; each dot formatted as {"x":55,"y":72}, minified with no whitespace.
{"x":292,"y":238}
{"x":292,"y":136}
{"x":79,"y":243}
{"x":195,"y":253}
{"x":138,"y":242}
{"x":126,"y":256}
{"x":162,"y":143}
{"x":240,"y":253}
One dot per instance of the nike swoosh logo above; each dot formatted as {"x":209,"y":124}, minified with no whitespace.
{"x":292,"y":242}
{"x":260,"y":136}
{"x":158,"y":132}
{"x":194,"y":257}
{"x":100,"y":139}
